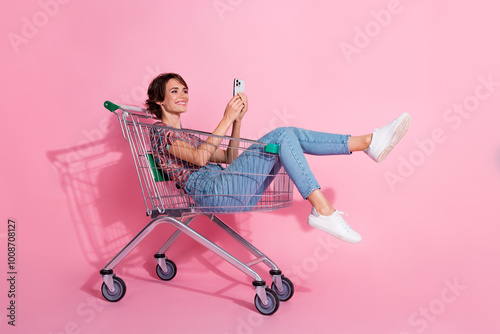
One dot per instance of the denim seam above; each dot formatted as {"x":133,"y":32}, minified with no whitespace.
{"x":343,"y":142}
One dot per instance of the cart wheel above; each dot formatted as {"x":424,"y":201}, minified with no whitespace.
{"x":288,"y":289}
{"x":171,"y":271}
{"x":120,"y":289}
{"x":273,"y":303}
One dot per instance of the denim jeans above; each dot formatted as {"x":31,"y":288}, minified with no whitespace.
{"x":243,"y":182}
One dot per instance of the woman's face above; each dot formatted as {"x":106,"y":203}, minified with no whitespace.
{"x":176,"y":97}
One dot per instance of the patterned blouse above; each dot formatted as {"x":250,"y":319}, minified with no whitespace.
{"x":161,"y":139}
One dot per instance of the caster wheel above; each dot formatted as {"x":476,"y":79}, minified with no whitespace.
{"x":273,"y":303}
{"x":120,"y":289}
{"x":169,"y":274}
{"x":288,"y":289}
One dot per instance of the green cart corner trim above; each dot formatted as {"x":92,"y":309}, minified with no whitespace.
{"x":158,"y":174}
{"x":272,"y":148}
{"x":111,"y":106}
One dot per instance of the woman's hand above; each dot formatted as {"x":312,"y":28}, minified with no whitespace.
{"x":233,"y":108}
{"x":243,"y":98}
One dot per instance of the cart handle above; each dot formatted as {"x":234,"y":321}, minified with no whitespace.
{"x":113,"y":107}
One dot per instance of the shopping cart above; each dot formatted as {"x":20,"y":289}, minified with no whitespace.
{"x":167,"y":201}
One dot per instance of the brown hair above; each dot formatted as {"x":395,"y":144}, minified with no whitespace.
{"x":156,"y":91}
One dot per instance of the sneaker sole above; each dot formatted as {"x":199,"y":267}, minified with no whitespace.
{"x":396,"y":137}
{"x":321,"y":228}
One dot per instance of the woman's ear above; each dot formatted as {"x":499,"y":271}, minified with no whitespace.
{"x":158,"y":103}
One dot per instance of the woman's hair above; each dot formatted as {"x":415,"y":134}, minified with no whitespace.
{"x":156,"y":91}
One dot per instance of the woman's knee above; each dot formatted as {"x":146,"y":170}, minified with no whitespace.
{"x":278,"y":134}
{"x":284,"y":131}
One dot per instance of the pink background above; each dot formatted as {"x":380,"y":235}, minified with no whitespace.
{"x":426,"y":214}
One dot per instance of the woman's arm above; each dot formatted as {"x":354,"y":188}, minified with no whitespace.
{"x":231,"y":153}
{"x":232,"y":150}
{"x":200,"y":156}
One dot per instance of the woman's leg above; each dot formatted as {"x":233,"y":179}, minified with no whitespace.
{"x":294,"y":143}
{"x":251,"y":171}
{"x":359,"y":143}
{"x":320,"y":203}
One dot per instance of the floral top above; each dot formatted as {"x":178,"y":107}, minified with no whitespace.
{"x":176,"y":169}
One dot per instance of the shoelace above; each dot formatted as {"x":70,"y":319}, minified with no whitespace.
{"x":343,"y":222}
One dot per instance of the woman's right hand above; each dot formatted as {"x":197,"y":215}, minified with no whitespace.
{"x":233,"y":108}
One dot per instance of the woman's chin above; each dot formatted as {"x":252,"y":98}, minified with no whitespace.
{"x":180,"y":111}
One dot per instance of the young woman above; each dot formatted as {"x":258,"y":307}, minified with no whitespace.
{"x":168,"y":99}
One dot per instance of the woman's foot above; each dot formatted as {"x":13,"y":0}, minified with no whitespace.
{"x":385,"y":138}
{"x":335,"y":225}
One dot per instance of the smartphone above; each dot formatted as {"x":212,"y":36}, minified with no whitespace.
{"x":238,"y":86}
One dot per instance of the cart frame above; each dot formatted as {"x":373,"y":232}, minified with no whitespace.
{"x":178,"y":210}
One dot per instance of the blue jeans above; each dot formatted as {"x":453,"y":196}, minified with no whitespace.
{"x":243,"y":182}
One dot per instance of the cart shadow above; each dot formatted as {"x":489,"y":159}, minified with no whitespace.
{"x":94,"y":176}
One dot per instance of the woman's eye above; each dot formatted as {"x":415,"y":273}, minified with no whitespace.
{"x":173,"y":91}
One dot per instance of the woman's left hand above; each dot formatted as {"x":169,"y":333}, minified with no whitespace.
{"x":243,"y":98}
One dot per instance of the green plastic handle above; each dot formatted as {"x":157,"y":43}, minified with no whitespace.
{"x":111,"y":106}
{"x":272,"y":148}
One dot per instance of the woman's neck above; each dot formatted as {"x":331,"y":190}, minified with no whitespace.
{"x":172,"y":120}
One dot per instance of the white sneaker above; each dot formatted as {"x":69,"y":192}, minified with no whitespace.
{"x":385,"y":138}
{"x":335,"y":225}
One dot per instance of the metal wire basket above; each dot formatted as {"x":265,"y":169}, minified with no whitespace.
{"x":264,"y":186}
